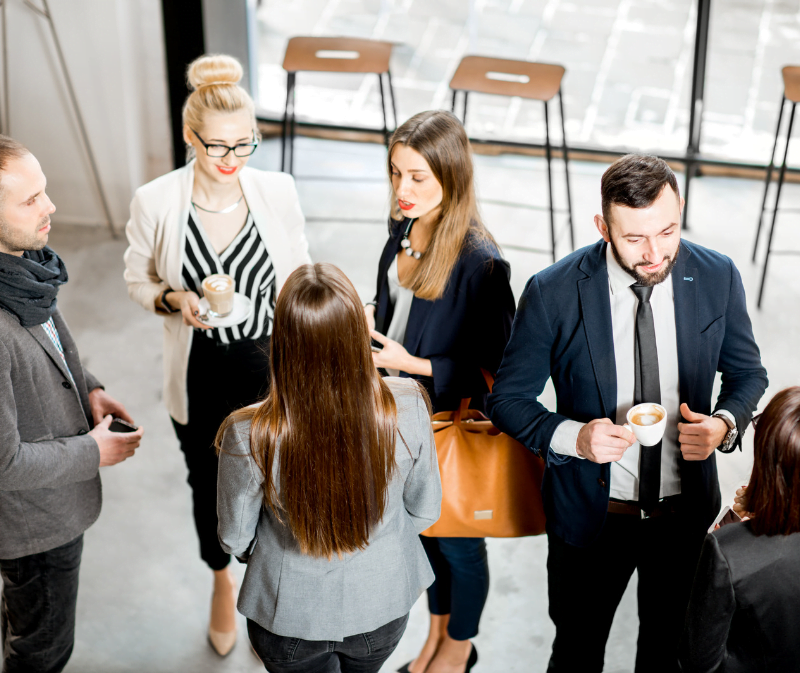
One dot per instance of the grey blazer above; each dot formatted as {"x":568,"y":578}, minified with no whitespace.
{"x":49,"y":480}
{"x":292,"y":594}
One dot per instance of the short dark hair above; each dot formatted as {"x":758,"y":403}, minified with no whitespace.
{"x":9,"y":149}
{"x":773,"y":495}
{"x":635,"y":181}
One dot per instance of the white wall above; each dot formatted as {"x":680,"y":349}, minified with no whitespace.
{"x":115,"y":55}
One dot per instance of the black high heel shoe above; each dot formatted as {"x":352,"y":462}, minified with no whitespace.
{"x":473,"y":659}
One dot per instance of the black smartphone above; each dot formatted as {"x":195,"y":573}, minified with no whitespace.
{"x":118,"y":425}
{"x":377,"y":346}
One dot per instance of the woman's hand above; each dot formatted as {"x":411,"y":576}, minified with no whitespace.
{"x":189,"y":305}
{"x":369,"y":311}
{"x":395,"y":356}
{"x":739,"y":504}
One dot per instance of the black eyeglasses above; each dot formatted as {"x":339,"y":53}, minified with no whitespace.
{"x":219,"y":151}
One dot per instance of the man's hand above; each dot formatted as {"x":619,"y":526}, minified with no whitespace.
{"x":114,"y":446}
{"x":603,"y":442}
{"x":701,"y":435}
{"x":102,"y":404}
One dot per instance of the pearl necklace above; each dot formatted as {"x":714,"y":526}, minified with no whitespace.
{"x":224,"y":211}
{"x":406,"y":244}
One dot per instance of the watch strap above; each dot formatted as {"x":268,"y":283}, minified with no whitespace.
{"x":163,"y":300}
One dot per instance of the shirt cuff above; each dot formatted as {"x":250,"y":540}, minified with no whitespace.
{"x":727,"y":414}
{"x":565,"y":439}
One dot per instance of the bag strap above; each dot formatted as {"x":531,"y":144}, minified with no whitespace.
{"x":462,"y":409}
{"x":488,"y":378}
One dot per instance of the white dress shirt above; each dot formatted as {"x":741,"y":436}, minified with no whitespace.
{"x":624,"y":304}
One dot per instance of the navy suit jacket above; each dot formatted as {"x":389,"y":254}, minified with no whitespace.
{"x":563,"y":331}
{"x":463,"y":331}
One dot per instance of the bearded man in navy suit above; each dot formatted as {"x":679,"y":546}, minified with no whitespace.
{"x":638,"y":317}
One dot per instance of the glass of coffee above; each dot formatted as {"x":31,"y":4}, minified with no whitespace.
{"x":218,"y":290}
{"x":647,"y":422}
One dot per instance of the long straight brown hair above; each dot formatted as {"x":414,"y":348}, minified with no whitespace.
{"x":773,"y":495}
{"x":442,"y":141}
{"x":329,"y":417}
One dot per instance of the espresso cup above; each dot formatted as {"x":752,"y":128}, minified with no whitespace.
{"x":647,"y":422}
{"x":218,"y":290}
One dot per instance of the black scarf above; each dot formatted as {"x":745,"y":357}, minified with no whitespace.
{"x":29,"y":284}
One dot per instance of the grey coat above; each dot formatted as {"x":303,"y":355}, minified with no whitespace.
{"x":49,"y":480}
{"x":292,"y":594}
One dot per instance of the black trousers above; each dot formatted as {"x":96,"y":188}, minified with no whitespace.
{"x":363,"y":653}
{"x":220,"y":379}
{"x":585,"y":586}
{"x":40,"y":593}
{"x":462,"y":582}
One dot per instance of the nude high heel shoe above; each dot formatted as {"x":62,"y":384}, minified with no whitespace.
{"x":221,"y":641}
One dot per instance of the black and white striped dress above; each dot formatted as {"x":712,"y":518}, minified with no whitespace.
{"x":247,"y":261}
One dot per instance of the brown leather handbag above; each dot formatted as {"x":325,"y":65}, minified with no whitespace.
{"x":491,"y":484}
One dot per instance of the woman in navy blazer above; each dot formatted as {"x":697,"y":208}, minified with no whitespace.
{"x":442,"y":312}
{"x":744,"y":614}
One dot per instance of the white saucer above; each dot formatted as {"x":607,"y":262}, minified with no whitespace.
{"x":242,"y":310}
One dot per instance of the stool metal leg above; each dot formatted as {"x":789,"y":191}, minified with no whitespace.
{"x":769,"y":177}
{"x":292,"y":127}
{"x":383,"y":109}
{"x":548,"y":155}
{"x":464,"y":118}
{"x":391,"y":95}
{"x":453,"y":104}
{"x":284,"y":129}
{"x":690,"y":168}
{"x":566,"y":170}
{"x":777,"y":201}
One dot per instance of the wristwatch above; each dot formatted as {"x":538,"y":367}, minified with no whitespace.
{"x":730,"y":436}
{"x":163,"y":301}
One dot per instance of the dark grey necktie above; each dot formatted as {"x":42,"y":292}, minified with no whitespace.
{"x":647,"y":389}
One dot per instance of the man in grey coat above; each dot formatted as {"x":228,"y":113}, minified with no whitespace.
{"x":54,"y":431}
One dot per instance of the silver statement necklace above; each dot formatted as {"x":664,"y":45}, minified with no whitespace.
{"x":406,"y":244}
{"x":224,"y":211}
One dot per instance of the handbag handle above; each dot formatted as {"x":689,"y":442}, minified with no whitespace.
{"x":462,"y":408}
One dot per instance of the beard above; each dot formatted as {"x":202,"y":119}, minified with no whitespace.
{"x":16,"y":241}
{"x":647,"y":279}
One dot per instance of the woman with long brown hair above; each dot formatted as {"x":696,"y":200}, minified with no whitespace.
{"x":442,"y":313}
{"x":324,"y":487}
{"x":744,"y":614}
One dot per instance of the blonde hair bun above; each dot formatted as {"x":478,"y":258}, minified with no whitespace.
{"x":214,"y":69}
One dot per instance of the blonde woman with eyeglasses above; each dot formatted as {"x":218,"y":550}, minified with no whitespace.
{"x":214,"y":216}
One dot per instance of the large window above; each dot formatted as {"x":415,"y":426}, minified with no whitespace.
{"x":629,"y":66}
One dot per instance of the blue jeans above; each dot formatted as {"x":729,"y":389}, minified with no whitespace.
{"x":40,"y":593}
{"x":462,"y":582}
{"x":363,"y":653}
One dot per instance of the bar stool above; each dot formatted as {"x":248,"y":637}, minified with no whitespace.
{"x":791,"y":93}
{"x":332,"y":54}
{"x":534,"y":81}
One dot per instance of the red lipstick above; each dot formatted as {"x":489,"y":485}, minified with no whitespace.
{"x":227,"y":170}
{"x":404,"y":205}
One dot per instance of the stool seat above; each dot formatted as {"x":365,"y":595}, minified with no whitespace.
{"x":506,"y":77}
{"x":337,"y":54}
{"x":791,"y":83}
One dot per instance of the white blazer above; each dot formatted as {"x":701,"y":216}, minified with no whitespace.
{"x":156,"y":240}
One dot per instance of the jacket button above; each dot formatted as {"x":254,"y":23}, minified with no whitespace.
{"x":601,"y":482}
{"x":66,"y":384}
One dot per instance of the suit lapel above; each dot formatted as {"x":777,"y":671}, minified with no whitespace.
{"x":596,"y":316}
{"x":38,"y":333}
{"x":417,"y":318}
{"x":684,"y":286}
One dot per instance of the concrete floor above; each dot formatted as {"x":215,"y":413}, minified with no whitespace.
{"x":145,"y":594}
